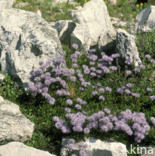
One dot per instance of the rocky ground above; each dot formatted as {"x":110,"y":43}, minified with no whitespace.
{"x":26,"y":39}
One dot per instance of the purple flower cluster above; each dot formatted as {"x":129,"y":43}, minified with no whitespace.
{"x":126,"y":90}
{"x":133,"y":124}
{"x":42,"y":80}
{"x":95,"y":68}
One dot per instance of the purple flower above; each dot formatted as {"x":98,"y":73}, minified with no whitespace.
{"x":86,"y":71}
{"x":137,"y":70}
{"x":75,"y":46}
{"x":129,"y":85}
{"x":77,"y":106}
{"x":86,"y":130}
{"x":107,"y":110}
{"x":152,"y":97}
{"x":41,"y":63}
{"x":135,"y":94}
{"x":153,"y":120}
{"x":149,"y":89}
{"x":68,"y":110}
{"x":127,"y":91}
{"x":91,"y":63}
{"x":142,"y":66}
{"x":93,"y":74}
{"x":128,"y":72}
{"x":113,"y":68}
{"x":148,"y":56}
{"x":101,"y":98}
{"x":101,"y":90}
{"x":152,"y":61}
{"x":48,"y":82}
{"x":75,"y":65}
{"x":51,"y":101}
{"x":93,"y":69}
{"x":120,"y":90}
{"x":73,"y":78}
{"x":115,"y":55}
{"x":55,"y":118}
{"x":94,"y":93}
{"x":69,"y":102}
{"x":45,"y":89}
{"x":32,"y":87}
{"x":105,"y":69}
{"x":81,"y":88}
{"x":108,"y":89}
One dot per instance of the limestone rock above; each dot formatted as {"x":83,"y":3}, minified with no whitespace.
{"x":145,"y":20}
{"x":126,"y":46}
{"x":19,"y":149}
{"x":96,"y":147}
{"x":13,"y":124}
{"x":26,"y":39}
{"x":6,"y":4}
{"x":92,"y":20}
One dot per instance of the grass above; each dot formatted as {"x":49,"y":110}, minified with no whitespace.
{"x":37,"y":109}
{"x":50,"y":12}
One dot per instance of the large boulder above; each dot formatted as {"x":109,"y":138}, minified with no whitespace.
{"x":25,"y":40}
{"x":6,"y":4}
{"x":145,"y":20}
{"x":13,"y":124}
{"x":94,"y":147}
{"x":92,"y":22}
{"x":19,"y":149}
{"x":126,"y":46}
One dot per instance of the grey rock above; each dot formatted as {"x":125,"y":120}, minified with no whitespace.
{"x":19,"y":149}
{"x":145,"y":20}
{"x":95,"y":147}
{"x":13,"y":124}
{"x":26,"y":39}
{"x":92,"y":21}
{"x":126,"y":46}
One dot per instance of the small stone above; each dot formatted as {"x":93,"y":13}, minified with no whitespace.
{"x":13,"y":124}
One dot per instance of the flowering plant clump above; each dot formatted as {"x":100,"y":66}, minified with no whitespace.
{"x":131,"y":123}
{"x":93,"y":83}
